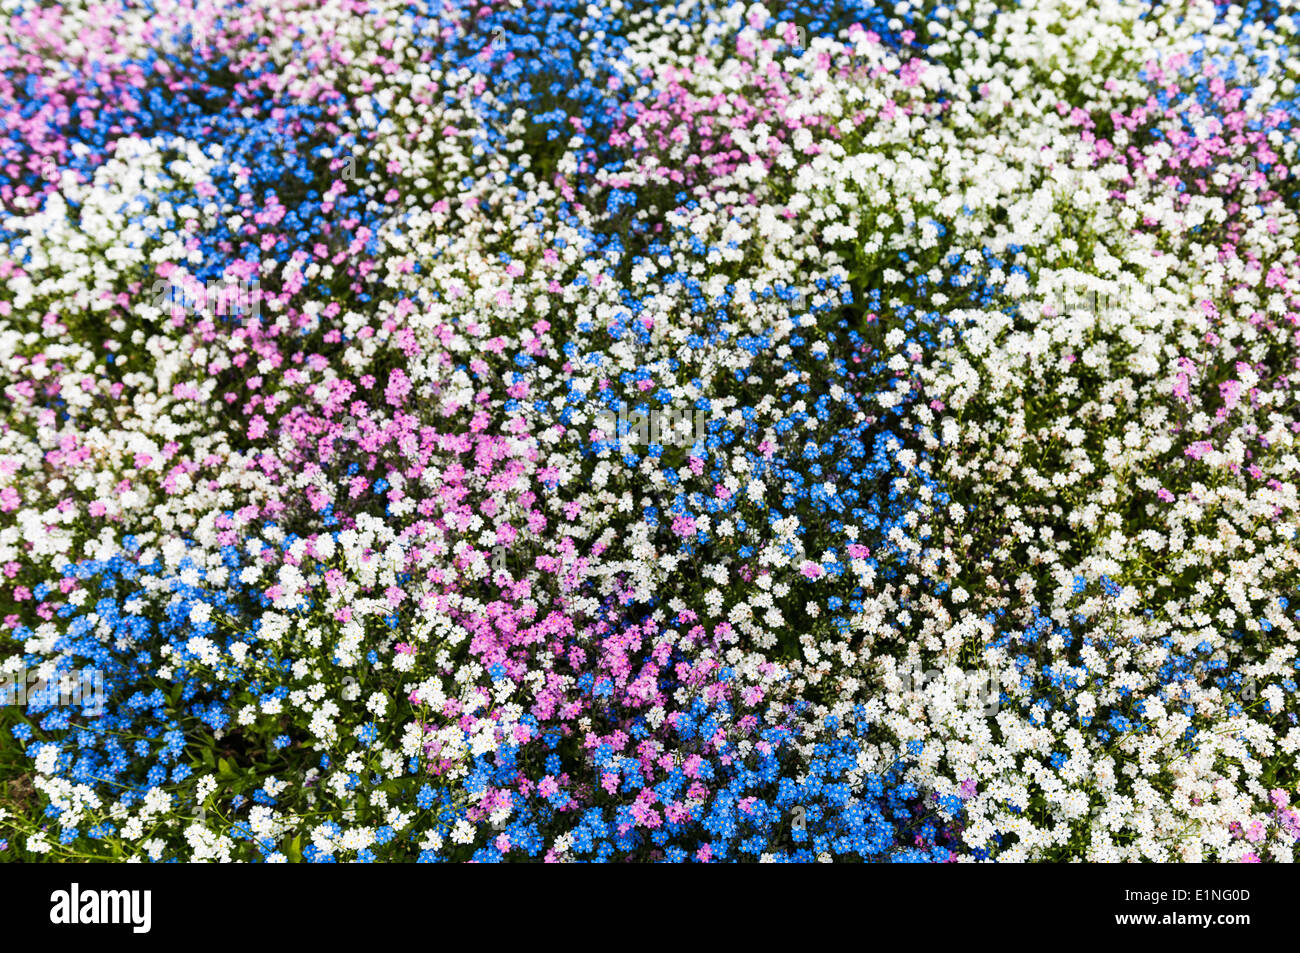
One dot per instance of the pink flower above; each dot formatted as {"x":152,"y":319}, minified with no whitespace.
{"x":399,"y":386}
{"x":684,"y":526}
{"x":1290,"y":821}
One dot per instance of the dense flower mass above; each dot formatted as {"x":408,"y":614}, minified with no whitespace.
{"x":508,"y":430}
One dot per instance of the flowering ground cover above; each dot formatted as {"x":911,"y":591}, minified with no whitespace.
{"x":647,"y":431}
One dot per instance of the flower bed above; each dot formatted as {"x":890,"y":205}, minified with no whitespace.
{"x":717,"y":433}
